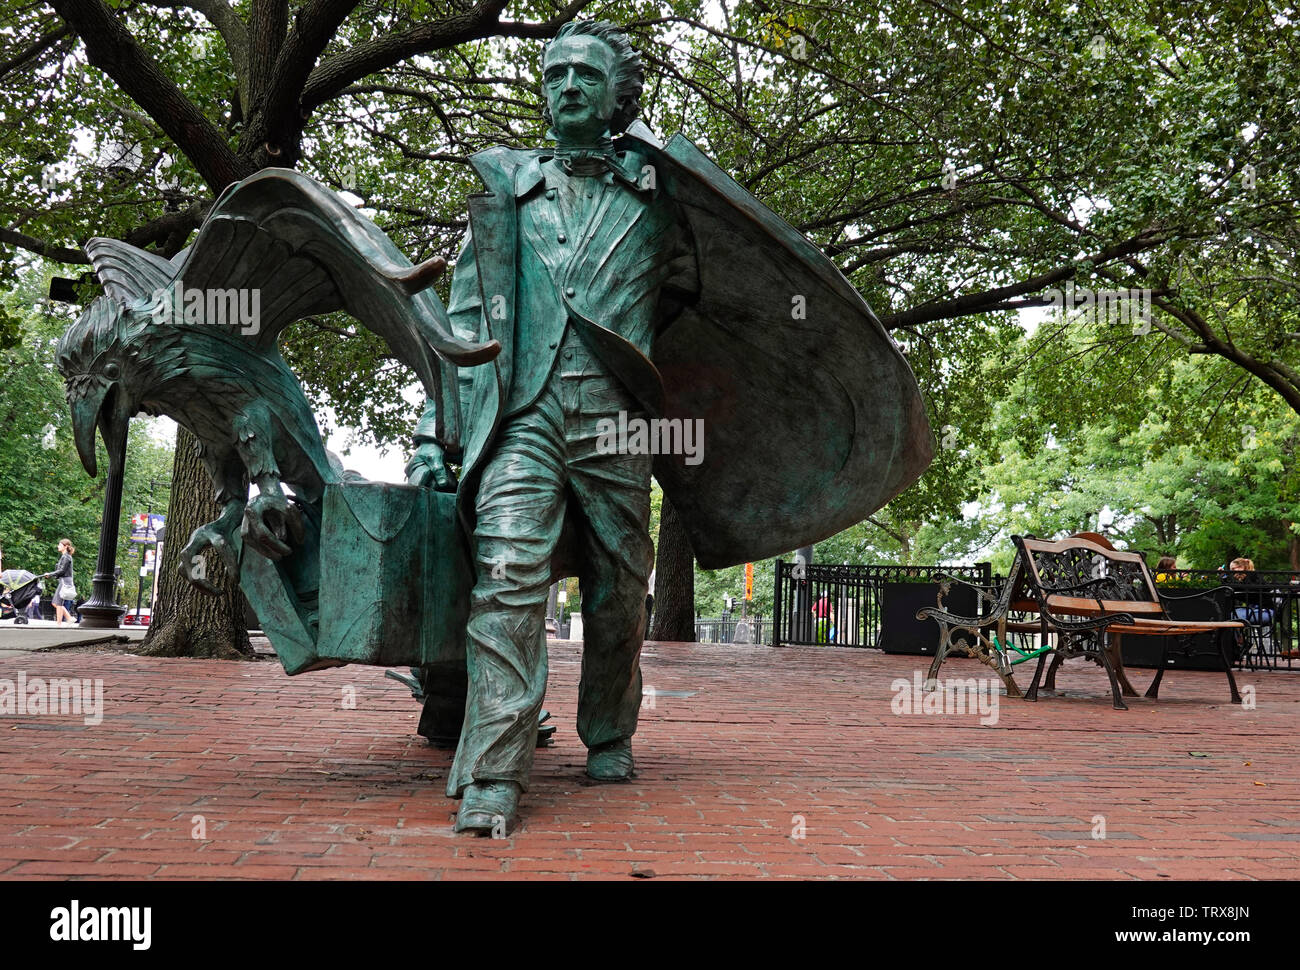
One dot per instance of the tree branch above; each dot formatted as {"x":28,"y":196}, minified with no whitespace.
{"x":111,"y":48}
{"x":972,"y":303}
{"x":337,"y":72}
{"x":901,"y":538}
{"x":269,"y":23}
{"x":38,"y":47}
{"x":42,"y":248}
{"x":546,"y":28}
{"x":169,"y":231}
{"x":1276,"y":375}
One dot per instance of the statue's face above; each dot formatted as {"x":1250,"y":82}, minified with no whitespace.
{"x":578,"y":78}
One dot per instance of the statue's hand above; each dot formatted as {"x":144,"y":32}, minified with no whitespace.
{"x":270,"y":520}
{"x":428,"y":466}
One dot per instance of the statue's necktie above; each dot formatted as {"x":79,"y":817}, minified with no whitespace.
{"x":591,"y":162}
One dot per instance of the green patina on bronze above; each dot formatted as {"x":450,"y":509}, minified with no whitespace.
{"x":605,"y":280}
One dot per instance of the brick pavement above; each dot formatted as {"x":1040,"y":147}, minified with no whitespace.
{"x":292,"y":784}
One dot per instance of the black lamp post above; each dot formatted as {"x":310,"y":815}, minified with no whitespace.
{"x":552,"y":624}
{"x":102,"y":611}
{"x":802,"y":625}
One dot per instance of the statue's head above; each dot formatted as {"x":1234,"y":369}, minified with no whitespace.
{"x":100,"y":366}
{"x":106,"y":358}
{"x":591,"y":80}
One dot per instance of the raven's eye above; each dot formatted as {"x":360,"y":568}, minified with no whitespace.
{"x":112,"y":371}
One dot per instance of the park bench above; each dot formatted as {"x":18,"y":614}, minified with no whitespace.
{"x":984,"y":637}
{"x":1086,"y":596}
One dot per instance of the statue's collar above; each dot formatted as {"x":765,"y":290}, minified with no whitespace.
{"x":625,"y":166}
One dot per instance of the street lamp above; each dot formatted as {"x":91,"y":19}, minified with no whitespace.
{"x":552,"y":597}
{"x":802,"y":625}
{"x":101,"y":611}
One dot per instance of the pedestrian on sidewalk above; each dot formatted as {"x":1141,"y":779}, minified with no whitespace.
{"x":822,"y":613}
{"x":649,"y":602}
{"x":65,"y":594}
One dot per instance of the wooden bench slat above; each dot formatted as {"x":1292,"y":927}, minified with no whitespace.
{"x":1083,"y":606}
{"x":1023,"y":626}
{"x":1149,"y":628}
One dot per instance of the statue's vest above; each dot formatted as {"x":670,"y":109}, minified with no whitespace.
{"x":524,"y":275}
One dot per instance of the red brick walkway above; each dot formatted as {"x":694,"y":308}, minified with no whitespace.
{"x":291,"y":784}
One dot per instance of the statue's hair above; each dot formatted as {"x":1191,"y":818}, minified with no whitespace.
{"x":629,"y":75}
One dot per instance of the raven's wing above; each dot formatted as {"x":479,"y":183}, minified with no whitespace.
{"x":126,"y":272}
{"x":304,"y":251}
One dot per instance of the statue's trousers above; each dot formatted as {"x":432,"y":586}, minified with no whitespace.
{"x":546,"y":459}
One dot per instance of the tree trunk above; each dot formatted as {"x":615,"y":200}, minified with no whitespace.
{"x":188,"y":622}
{"x":674,"y":613}
{"x":1168,"y":532}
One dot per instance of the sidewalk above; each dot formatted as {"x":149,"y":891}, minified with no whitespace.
{"x":745,"y":750}
{"x":37,"y":635}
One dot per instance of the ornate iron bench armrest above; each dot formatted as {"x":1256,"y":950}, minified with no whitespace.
{"x":986,"y":594}
{"x":973,"y":642}
{"x":954,"y":619}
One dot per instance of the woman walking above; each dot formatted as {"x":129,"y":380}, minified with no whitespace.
{"x":65,"y":594}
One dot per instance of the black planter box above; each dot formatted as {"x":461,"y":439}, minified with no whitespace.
{"x":901,"y":631}
{"x":1200,"y":652}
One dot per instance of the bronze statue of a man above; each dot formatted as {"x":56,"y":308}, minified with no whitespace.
{"x":573,"y":261}
{"x":608,"y":280}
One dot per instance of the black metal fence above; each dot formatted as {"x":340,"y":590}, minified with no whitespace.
{"x":822,"y":604}
{"x":825,"y":604}
{"x":722,"y":629}
{"x":1267,"y":602}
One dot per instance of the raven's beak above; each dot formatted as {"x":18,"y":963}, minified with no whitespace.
{"x":101,"y":408}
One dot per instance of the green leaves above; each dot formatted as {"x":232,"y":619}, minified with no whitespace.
{"x":1183,"y":457}
{"x":1071,"y":130}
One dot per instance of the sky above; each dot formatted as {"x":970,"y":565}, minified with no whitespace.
{"x":368,"y":460}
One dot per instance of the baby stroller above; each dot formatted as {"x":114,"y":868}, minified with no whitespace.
{"x":17,"y":590}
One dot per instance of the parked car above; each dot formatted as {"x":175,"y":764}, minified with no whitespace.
{"x":131,"y":619}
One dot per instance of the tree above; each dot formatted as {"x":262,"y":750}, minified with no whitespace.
{"x":962,"y":163}
{"x":1193,"y":459}
{"x":674,"y":612}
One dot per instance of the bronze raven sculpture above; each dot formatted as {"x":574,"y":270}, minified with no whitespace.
{"x":195,"y":338}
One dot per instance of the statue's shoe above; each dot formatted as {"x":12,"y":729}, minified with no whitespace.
{"x":489,"y":806}
{"x":611,"y":762}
